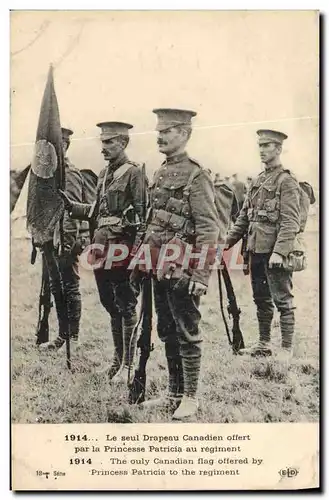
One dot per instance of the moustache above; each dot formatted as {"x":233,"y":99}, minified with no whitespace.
{"x":160,"y":143}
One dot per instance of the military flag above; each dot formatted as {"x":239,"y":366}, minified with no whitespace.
{"x":45,"y":207}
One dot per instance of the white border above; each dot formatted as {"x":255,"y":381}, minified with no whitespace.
{"x":4,"y":184}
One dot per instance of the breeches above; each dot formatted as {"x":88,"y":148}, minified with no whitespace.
{"x":178,"y":317}
{"x":115,"y":292}
{"x":270,"y":285}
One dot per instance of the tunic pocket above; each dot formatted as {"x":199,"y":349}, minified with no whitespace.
{"x":271,"y":208}
{"x":116,"y":196}
{"x":174,"y":206}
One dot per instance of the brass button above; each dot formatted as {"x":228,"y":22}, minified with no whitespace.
{"x":158,"y":189}
{"x":172,"y":187}
{"x":175,"y":173}
{"x":155,"y":199}
{"x":160,"y":178}
{"x":173,"y":209}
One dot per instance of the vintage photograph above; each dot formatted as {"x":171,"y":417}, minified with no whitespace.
{"x":164,"y":212}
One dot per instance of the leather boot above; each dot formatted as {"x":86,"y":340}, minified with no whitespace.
{"x":54,"y":345}
{"x":284,"y":357}
{"x":260,"y":349}
{"x":117,"y":335}
{"x":172,"y":398}
{"x":126,"y":372}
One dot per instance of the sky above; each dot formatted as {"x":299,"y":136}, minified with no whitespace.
{"x":239,"y":70}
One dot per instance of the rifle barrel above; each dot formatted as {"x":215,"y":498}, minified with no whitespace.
{"x":237,"y":342}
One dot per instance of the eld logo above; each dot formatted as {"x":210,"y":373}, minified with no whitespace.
{"x":288,"y":472}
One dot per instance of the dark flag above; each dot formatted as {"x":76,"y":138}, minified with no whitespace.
{"x":45,"y":209}
{"x":45,"y":206}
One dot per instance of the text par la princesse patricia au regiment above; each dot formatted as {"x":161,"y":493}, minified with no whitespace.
{"x":196,"y":450}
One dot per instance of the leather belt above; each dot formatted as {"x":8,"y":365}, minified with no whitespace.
{"x":111,"y":220}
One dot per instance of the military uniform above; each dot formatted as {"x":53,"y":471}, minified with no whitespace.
{"x":239,"y":191}
{"x":119,"y":187}
{"x":271,"y":218}
{"x":75,"y":236}
{"x":226,"y":204}
{"x":183,"y":208}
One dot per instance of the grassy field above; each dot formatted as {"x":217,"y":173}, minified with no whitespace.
{"x":232,"y":388}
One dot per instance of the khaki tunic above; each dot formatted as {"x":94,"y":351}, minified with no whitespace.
{"x":194,"y":216}
{"x":270,"y":216}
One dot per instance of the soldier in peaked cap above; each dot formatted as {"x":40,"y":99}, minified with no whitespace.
{"x":119,"y":193}
{"x":271,"y":218}
{"x":182,"y":210}
{"x":76,"y":235}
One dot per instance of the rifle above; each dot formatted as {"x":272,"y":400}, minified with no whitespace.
{"x":89,"y":196}
{"x":45,"y":306}
{"x":65,"y":317}
{"x":233,"y":310}
{"x":245,"y":255}
{"x":137,"y":388}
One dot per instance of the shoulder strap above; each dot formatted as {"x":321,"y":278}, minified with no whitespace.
{"x":250,"y":198}
{"x":283,"y":175}
{"x":122,"y":170}
{"x":195,"y":172}
{"x":195,"y":162}
{"x":135,"y":164}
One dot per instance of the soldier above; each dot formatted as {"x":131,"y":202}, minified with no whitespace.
{"x":271,"y":218}
{"x":182,"y":210}
{"x":225,"y":201}
{"x":75,"y":237}
{"x":239,"y":188}
{"x":248,"y":183}
{"x":119,"y":193}
{"x":239,"y":194}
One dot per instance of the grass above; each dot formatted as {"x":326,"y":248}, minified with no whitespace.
{"x":232,"y":388}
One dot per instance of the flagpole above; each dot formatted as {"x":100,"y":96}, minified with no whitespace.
{"x":45,"y":207}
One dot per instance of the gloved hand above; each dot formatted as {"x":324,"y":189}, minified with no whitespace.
{"x":68,"y":204}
